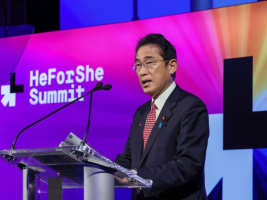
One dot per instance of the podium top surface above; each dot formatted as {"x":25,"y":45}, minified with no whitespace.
{"x":68,"y":162}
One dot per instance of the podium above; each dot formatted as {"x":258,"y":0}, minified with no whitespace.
{"x":70,"y":166}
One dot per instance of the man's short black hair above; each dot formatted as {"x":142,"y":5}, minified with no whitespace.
{"x":168,"y":50}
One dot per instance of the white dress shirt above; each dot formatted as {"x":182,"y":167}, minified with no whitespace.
{"x":160,"y":101}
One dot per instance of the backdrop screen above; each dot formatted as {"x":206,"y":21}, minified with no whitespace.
{"x":54,"y":68}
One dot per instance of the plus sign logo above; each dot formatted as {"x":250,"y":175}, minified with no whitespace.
{"x":9,"y":92}
{"x":243,"y":128}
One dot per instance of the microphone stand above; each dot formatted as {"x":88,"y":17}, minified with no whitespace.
{"x":97,"y":87}
{"x":106,"y":87}
{"x":89,"y":120}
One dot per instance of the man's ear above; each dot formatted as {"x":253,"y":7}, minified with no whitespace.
{"x":173,"y":65}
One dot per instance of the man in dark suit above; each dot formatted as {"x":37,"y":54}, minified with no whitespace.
{"x":169,"y":134}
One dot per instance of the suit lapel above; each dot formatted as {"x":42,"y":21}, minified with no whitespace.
{"x":160,"y":123}
{"x":139,"y":131}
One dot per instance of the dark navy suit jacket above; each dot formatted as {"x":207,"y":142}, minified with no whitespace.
{"x":175,"y":153}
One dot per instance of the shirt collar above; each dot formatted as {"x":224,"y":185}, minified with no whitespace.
{"x":160,"y":101}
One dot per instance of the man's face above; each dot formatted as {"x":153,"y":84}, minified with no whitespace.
{"x":157,"y":79}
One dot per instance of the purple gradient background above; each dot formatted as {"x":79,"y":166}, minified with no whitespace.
{"x":111,"y":47}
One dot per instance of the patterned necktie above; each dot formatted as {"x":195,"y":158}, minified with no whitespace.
{"x":150,"y":121}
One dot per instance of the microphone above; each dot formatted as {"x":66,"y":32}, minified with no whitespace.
{"x":96,"y":88}
{"x":106,"y":87}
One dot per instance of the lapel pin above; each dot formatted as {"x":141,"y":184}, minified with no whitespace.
{"x":140,"y":124}
{"x":163,"y":123}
